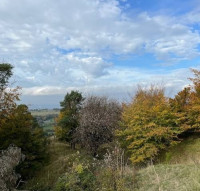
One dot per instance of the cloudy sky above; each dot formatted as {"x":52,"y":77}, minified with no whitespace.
{"x":103,"y":47}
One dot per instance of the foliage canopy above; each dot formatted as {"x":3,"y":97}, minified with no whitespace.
{"x":148,"y":125}
{"x":17,"y":125}
{"x":67,"y":121}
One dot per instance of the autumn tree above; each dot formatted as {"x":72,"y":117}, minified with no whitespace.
{"x":148,"y":125}
{"x":181,"y":105}
{"x":98,"y":121}
{"x":20,"y":129}
{"x":8,"y":96}
{"x":194,"y":113}
{"x":186,"y":105}
{"x":17,"y":125}
{"x":67,"y":121}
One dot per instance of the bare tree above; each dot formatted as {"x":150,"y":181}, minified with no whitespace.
{"x":98,"y":120}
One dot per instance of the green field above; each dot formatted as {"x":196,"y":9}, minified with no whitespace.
{"x":46,"y":119}
{"x":45,"y":112}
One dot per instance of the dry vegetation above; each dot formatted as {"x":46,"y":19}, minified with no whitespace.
{"x":178,"y":169}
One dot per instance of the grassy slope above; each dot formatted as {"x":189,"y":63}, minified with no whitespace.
{"x":61,"y":157}
{"x":169,"y":178}
{"x":179,"y":169}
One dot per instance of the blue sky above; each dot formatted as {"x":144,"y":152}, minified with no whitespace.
{"x":101,"y":47}
{"x":155,"y":6}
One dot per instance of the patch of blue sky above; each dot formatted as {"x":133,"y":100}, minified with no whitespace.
{"x":192,"y":63}
{"x":198,"y":47}
{"x":145,"y":61}
{"x":66,"y":51}
{"x":195,"y":27}
{"x":170,"y":6}
{"x":149,"y":63}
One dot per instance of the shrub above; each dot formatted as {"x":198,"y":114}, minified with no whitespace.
{"x":79,"y":178}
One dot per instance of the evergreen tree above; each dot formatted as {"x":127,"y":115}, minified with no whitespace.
{"x":67,"y":121}
{"x":5,"y":74}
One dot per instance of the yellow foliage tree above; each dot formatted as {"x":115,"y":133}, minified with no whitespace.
{"x":195,"y":101}
{"x":186,"y":106}
{"x":148,"y":125}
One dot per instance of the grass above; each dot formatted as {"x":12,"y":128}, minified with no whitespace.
{"x":178,"y":170}
{"x":186,"y":152}
{"x":62,"y":157}
{"x":177,"y":177}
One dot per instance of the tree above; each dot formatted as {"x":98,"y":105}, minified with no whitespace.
{"x":148,"y":125}
{"x":186,"y":106}
{"x":194,"y":111}
{"x":98,"y":120}
{"x":180,"y":105}
{"x":67,"y":121}
{"x":17,"y":125}
{"x":8,"y":96}
{"x":19,"y":129}
{"x":5,"y":74}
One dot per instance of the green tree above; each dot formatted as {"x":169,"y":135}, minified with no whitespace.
{"x":5,"y":74}
{"x":8,"y":96}
{"x":19,"y":129}
{"x":17,"y":125}
{"x":67,"y":121}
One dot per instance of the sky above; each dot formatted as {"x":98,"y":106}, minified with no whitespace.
{"x":98,"y":47}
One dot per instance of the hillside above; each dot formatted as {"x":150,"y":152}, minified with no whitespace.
{"x":61,"y":157}
{"x":178,"y":169}
{"x":174,"y":177}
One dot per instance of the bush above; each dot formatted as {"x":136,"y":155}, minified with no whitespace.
{"x":79,"y":178}
{"x":98,"y":120}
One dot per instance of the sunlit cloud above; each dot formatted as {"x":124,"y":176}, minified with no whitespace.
{"x":58,"y":46}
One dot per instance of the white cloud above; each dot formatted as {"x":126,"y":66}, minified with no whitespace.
{"x":121,"y":83}
{"x":56,"y":45}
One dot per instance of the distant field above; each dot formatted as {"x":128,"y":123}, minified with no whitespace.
{"x":44,"y":112}
{"x":46,"y":119}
